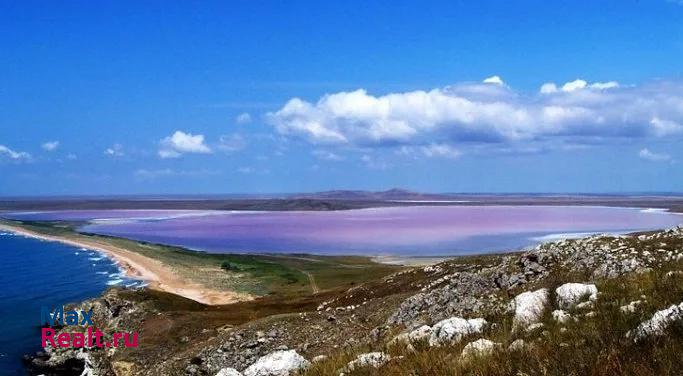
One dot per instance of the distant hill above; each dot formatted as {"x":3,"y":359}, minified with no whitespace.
{"x":391,"y":194}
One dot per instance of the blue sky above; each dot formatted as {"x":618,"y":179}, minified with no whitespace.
{"x":225,"y":97}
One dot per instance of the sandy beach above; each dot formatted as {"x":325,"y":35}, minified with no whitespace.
{"x":157,"y":275}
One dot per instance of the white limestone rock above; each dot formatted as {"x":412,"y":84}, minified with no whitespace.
{"x":659,"y":322}
{"x":228,"y":372}
{"x":480,"y":347}
{"x":528,"y":307}
{"x":278,"y":363}
{"x":419,"y":334}
{"x":571,"y":294}
{"x":373,"y":359}
{"x":561,"y":316}
{"x":454,"y":329}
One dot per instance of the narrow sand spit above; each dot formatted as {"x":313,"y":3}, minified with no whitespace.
{"x":159,"y":276}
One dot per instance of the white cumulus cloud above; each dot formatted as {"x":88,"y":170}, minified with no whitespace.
{"x":654,"y":157}
{"x":486,"y":113}
{"x":496,"y":80}
{"x":50,"y":145}
{"x":578,"y":84}
{"x":181,"y":143}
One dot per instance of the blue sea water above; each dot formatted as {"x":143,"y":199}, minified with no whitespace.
{"x":35,"y":273}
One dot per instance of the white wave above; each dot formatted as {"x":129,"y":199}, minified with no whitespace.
{"x":114,"y":282}
{"x":95,"y":258}
{"x":102,"y":273}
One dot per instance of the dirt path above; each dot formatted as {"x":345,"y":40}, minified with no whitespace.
{"x":159,"y":276}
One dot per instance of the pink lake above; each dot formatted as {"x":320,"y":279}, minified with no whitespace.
{"x":404,"y":231}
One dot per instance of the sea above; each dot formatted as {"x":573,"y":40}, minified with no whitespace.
{"x":35,"y":273}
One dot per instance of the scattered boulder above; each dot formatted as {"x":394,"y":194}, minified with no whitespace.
{"x":659,"y":322}
{"x":454,"y":329}
{"x":480,"y":347}
{"x":278,"y":363}
{"x":228,"y":372}
{"x":528,"y":307}
{"x":373,"y":359}
{"x":571,"y":294}
{"x":419,"y":334}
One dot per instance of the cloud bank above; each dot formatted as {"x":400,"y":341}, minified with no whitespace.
{"x":487,"y":112}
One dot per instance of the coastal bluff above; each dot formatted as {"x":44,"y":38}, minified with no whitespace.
{"x":587,"y":305}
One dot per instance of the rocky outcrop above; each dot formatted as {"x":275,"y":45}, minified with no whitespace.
{"x":462,"y":296}
{"x":660,"y":321}
{"x":472,"y":292}
{"x":111,"y":313}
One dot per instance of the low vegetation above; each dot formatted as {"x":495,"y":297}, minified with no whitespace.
{"x":593,"y":342}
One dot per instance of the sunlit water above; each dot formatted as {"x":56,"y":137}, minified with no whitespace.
{"x":36,"y":273}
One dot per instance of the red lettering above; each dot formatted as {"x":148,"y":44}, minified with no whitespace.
{"x":64,"y":339}
{"x":47,"y":334}
{"x":133,"y":343}
{"x":79,"y":340}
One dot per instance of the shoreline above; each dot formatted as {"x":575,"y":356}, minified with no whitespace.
{"x":157,"y":275}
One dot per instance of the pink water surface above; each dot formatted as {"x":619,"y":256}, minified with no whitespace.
{"x":416,"y":231}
